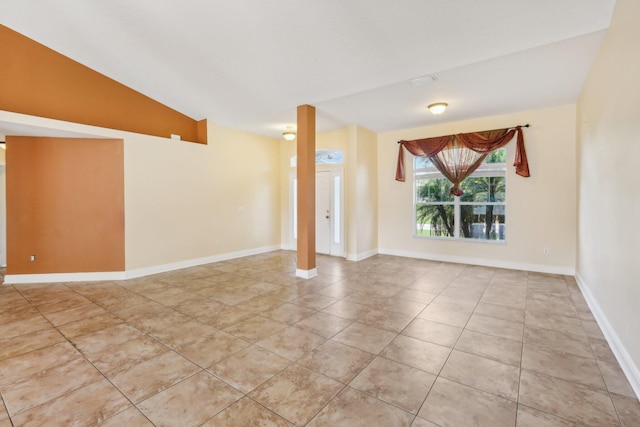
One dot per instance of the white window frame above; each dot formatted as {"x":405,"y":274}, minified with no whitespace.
{"x":484,"y":170}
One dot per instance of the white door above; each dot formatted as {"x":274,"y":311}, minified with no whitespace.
{"x":329,"y":212}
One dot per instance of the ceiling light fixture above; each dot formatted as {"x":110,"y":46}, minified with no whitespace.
{"x":438,"y":107}
{"x":289,"y":134}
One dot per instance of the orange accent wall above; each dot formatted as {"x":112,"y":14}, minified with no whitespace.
{"x":65,"y":205}
{"x":39,"y":81}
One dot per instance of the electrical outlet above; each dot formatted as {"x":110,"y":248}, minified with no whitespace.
{"x":545,"y":251}
{"x":32,"y":258}
{"x":217,"y":242}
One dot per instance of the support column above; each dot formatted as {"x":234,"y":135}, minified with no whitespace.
{"x":306,"y":174}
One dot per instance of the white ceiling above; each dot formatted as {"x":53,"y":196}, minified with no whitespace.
{"x":247,"y":64}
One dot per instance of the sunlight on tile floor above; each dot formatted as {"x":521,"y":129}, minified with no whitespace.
{"x":387,"y":341}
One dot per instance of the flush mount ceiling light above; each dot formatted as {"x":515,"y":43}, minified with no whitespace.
{"x":437,"y":108}
{"x":289,"y":134}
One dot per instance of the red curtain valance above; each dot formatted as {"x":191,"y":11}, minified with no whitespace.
{"x":481,"y":143}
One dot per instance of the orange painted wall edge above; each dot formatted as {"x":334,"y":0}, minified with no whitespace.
{"x":39,"y":81}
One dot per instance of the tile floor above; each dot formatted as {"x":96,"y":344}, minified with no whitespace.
{"x":386,"y":341}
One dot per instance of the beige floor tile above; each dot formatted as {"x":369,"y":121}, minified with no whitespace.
{"x":366,"y":298}
{"x":416,"y":296}
{"x":387,"y":320}
{"x":564,"y":324}
{"x":69,"y":300}
{"x":231,"y":296}
{"x":33,"y":323}
{"x":347,"y":310}
{"x":15,"y":313}
{"x":453,"y":404}
{"x":199,"y":306}
{"x":36,"y":361}
{"x":500,"y":312}
{"x":211,"y":349}
{"x":120,"y":357}
{"x":288,"y":313}
{"x":46,"y":385}
{"x":297,"y":393}
{"x":226,"y":317}
{"x":592,"y":329}
{"x":437,"y":333}
{"x":529,"y":417}
{"x":255,"y":329}
{"x":483,"y":374}
{"x":292,"y":342}
{"x":249,"y":368}
{"x":85,"y":406}
{"x":158,"y":320}
{"x":108,"y":337}
{"x":402,"y":306}
{"x":28,"y":342}
{"x":437,"y":313}
{"x":75,"y":313}
{"x":315,"y":301}
{"x":615,"y":379}
{"x":557,"y":340}
{"x":337,"y":361}
{"x":365,"y":337}
{"x":259,"y":304}
{"x":182,"y":333}
{"x":153,"y":375}
{"x":190,"y":402}
{"x":131,"y":313}
{"x":557,"y":306}
{"x":421,"y":422}
{"x":602,"y":351}
{"x":395,"y":383}
{"x":89,"y":325}
{"x":566,"y":399}
{"x":416,"y":353}
{"x":356,"y":409}
{"x":496,"y":327}
{"x":247,"y":413}
{"x":131,"y":417}
{"x":323,"y":324}
{"x":562,"y":365}
{"x":628,"y":409}
{"x":497,"y":348}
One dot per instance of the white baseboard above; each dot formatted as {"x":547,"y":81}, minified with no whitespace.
{"x":307,"y":274}
{"x":362,"y":255}
{"x":15,"y":279}
{"x":629,"y":368}
{"x":552,"y":269}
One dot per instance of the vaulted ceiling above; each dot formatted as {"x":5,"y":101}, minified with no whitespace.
{"x":247,"y":64}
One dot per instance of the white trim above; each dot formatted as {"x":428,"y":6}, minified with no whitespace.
{"x":540,"y":268}
{"x":17,"y":279}
{"x":362,"y":255}
{"x":14,"y":279}
{"x":622,"y":355}
{"x":307,"y":274}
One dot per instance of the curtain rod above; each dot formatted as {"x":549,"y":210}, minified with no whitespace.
{"x":513,"y":127}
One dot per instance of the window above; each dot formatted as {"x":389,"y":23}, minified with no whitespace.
{"x":478,"y":214}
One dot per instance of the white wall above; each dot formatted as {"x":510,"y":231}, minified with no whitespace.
{"x":188,"y":201}
{"x":608,"y":264}
{"x":541,"y":210}
{"x":362,"y":191}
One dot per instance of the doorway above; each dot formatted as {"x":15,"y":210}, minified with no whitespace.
{"x":329,"y":211}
